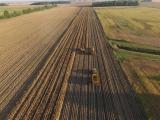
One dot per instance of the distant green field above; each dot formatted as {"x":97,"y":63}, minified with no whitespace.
{"x":136,"y":24}
{"x":19,"y":9}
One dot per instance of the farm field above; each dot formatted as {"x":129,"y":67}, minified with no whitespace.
{"x":144,"y":75}
{"x":24,"y":41}
{"x":57,"y":82}
{"x":150,"y":4}
{"x":135,"y":24}
{"x":134,"y":36}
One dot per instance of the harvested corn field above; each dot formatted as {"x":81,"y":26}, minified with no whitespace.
{"x":24,"y":41}
{"x":77,"y":78}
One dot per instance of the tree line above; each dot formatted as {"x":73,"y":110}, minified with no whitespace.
{"x":51,"y":2}
{"x":115,"y":3}
{"x":3,"y":4}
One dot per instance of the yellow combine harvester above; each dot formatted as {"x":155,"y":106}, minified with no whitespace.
{"x":95,"y":77}
{"x":91,"y":51}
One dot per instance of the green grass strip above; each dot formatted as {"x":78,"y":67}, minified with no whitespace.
{"x":130,"y":46}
